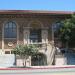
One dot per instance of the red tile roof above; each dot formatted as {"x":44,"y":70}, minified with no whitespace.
{"x":35,"y":12}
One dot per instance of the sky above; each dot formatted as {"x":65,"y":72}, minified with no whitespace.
{"x":53,"y":5}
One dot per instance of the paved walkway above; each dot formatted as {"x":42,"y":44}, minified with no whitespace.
{"x":51,"y":70}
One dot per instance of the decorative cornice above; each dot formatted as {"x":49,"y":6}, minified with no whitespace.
{"x":34,"y":12}
{"x":32,"y":15}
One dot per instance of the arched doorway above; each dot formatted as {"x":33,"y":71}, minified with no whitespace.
{"x":39,"y":59}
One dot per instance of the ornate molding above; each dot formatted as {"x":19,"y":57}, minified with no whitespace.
{"x":10,"y":44}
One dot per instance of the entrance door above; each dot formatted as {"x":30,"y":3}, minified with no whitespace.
{"x":39,"y":60}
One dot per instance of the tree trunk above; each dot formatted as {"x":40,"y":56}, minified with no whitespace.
{"x":25,"y":62}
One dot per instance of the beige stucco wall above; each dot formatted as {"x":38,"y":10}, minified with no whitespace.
{"x":46,"y":22}
{"x":0,"y":36}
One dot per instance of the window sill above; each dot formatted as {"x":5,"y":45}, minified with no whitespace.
{"x":10,"y":38}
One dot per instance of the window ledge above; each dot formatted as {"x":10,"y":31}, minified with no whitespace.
{"x":10,"y":38}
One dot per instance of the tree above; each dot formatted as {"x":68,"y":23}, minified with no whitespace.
{"x":24,"y":51}
{"x":67,"y":31}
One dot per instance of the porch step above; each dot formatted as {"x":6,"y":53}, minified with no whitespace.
{"x":60,"y":60}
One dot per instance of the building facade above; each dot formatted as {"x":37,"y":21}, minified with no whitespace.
{"x":29,"y":27}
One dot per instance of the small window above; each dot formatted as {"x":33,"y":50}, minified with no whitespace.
{"x":7,"y":52}
{"x":35,"y":35}
{"x":10,"y":30}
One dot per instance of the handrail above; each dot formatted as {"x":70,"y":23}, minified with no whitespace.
{"x":38,"y":43}
{"x":52,"y":53}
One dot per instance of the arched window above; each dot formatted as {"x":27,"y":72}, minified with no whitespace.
{"x":10,"y":30}
{"x":35,"y":32}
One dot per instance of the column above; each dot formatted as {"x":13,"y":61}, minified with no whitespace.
{"x":44,"y":36}
{"x":26,"y":36}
